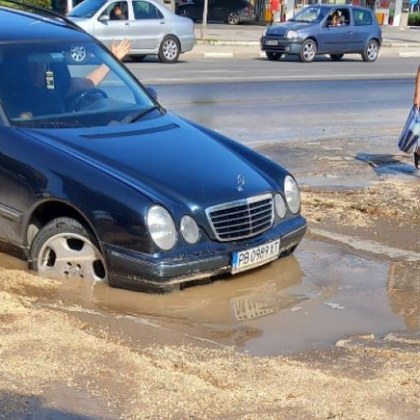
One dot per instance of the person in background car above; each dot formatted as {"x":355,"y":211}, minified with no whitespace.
{"x":416,"y":103}
{"x":335,"y":19}
{"x":117,"y":13}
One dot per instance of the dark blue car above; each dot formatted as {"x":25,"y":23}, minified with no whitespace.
{"x":325,"y":29}
{"x":99,"y":181}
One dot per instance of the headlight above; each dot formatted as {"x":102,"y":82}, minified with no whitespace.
{"x":161,"y":227}
{"x":189,"y":230}
{"x":291,"y":191}
{"x":280,"y":206}
{"x":265,"y":32}
{"x":291,"y":34}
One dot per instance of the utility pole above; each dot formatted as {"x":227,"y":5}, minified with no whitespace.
{"x":204,"y":21}
{"x":398,"y":12}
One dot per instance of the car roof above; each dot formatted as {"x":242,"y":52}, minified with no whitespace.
{"x":23,"y":26}
{"x":338,"y":6}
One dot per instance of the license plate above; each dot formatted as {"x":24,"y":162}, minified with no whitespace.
{"x":271,"y":42}
{"x":254,"y":257}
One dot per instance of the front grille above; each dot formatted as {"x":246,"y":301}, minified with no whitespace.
{"x":241,"y":219}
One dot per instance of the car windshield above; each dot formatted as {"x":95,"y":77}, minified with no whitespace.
{"x":86,"y":8}
{"x":64,"y":84}
{"x":311,"y":14}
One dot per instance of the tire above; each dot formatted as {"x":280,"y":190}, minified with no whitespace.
{"x":371,"y":52}
{"x":308,"y":51}
{"x":336,"y":57}
{"x":78,"y":54}
{"x":64,"y":249}
{"x":273,"y":56}
{"x":169,"y":50}
{"x":232,"y":18}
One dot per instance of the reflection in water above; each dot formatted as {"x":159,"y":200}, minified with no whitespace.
{"x":309,"y":300}
{"x":403,"y":285}
{"x":263,"y":302}
{"x":258,"y":293}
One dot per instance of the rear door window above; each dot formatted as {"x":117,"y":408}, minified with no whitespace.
{"x":362,"y":17}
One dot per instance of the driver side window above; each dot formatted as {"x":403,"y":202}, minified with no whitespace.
{"x":117,"y":11}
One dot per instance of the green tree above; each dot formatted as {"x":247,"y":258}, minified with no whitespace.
{"x":40,"y":3}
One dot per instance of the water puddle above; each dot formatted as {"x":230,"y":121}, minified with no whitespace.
{"x":321,"y":294}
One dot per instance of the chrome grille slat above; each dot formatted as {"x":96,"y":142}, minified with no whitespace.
{"x":241,"y":219}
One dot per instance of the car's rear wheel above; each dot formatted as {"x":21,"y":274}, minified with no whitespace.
{"x":273,"y":56}
{"x":371,"y":51}
{"x":232,"y":18}
{"x":336,"y":57}
{"x":308,"y":51}
{"x":64,"y":249}
{"x":169,"y":50}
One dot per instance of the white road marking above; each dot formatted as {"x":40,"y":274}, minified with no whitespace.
{"x":369,"y":246}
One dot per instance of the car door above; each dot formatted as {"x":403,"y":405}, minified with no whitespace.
{"x":218,"y":9}
{"x":19,"y":183}
{"x":337,"y":39}
{"x":363,"y":21}
{"x":106,"y":28}
{"x":197,"y":8}
{"x":147,"y":28}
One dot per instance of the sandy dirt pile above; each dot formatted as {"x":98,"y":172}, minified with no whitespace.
{"x":51,"y":363}
{"x":395,"y":201}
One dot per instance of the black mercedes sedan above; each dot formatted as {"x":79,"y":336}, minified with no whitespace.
{"x":99,"y":181}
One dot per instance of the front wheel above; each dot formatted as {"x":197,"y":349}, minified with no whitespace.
{"x":64,"y":249}
{"x":273,"y":56}
{"x":371,"y":51}
{"x":232,"y":18}
{"x":336,"y":57}
{"x":169,"y":50}
{"x":308,"y":51}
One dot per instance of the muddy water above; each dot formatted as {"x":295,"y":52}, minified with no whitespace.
{"x":308,"y":300}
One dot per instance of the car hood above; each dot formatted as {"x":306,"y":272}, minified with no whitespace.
{"x":164,"y":158}
{"x":281,"y":28}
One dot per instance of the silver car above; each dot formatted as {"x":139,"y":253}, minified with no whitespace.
{"x":152,"y":28}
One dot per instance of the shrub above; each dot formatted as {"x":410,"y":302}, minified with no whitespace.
{"x":414,"y":19}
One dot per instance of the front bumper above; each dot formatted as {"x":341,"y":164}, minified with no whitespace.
{"x":281,"y":45}
{"x":133,"y":270}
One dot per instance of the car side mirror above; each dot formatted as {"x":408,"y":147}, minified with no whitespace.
{"x":104,"y":19}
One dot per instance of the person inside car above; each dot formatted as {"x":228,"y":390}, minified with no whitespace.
{"x":39,"y":87}
{"x":335,"y":19}
{"x":117,"y":13}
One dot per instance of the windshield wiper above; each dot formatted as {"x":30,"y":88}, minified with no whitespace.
{"x":138,"y":115}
